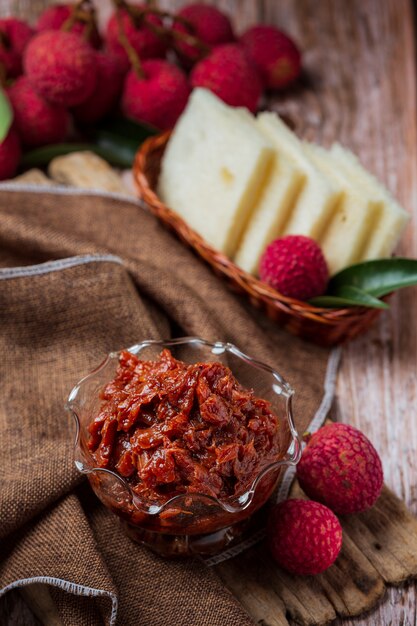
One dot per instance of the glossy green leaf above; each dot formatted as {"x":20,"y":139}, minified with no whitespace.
{"x":347,"y":296}
{"x":6,"y":115}
{"x":377,"y":278}
{"x":119,"y":155}
{"x":123,"y":127}
{"x":119,"y":151}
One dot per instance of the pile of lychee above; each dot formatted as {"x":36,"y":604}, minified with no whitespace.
{"x":61,"y":74}
{"x":341,"y":472}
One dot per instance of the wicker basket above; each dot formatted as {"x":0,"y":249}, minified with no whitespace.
{"x":326,"y":327}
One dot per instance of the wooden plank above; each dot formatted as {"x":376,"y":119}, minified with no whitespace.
{"x":360,"y":89}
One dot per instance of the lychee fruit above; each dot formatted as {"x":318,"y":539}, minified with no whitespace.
{"x":159,"y":97}
{"x":341,"y":468}
{"x":146,"y":43}
{"x":10,"y":154}
{"x":229,"y":74}
{"x":14,"y":37}
{"x":304,"y":537}
{"x":204,"y":22}
{"x":110,"y":75}
{"x":276,"y":56}
{"x":295,"y":266}
{"x":61,"y":67}
{"x":54,"y":18}
{"x":37,"y":121}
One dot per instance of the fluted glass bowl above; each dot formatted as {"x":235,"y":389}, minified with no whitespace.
{"x":185,"y":524}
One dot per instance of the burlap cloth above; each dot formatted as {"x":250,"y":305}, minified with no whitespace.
{"x":58,"y":321}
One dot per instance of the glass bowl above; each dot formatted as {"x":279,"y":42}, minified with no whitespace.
{"x":186,"y":524}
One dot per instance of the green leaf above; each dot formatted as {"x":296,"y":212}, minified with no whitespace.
{"x":377,"y":278}
{"x":123,"y":127}
{"x":119,"y":155}
{"x":6,"y":115}
{"x":347,"y":296}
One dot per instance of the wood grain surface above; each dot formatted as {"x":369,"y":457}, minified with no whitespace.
{"x":359,"y":89}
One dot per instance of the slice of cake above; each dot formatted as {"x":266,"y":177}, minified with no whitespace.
{"x":319,"y":196}
{"x":271,"y":213}
{"x":214,"y":168}
{"x":392,"y":219}
{"x":351,"y":225}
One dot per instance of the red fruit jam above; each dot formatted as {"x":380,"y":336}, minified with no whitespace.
{"x":175,"y":429}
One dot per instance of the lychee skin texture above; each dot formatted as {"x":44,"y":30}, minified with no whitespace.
{"x":229,"y":74}
{"x":304,"y":537}
{"x":104,"y":98}
{"x":295,"y":266}
{"x":54,"y":17}
{"x":37,"y":122}
{"x":159,"y":98}
{"x":208,"y":24}
{"x":61,"y":67}
{"x":275,"y":55}
{"x":146,"y":43}
{"x":341,"y":468}
{"x":10,"y":154}
{"x":17,"y":35}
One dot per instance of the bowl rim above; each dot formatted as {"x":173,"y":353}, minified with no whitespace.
{"x":281,"y":388}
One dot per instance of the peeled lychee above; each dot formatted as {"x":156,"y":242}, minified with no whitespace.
{"x":54,"y":18}
{"x":9,"y":155}
{"x":37,"y":121}
{"x":341,"y":468}
{"x":207,"y":24}
{"x":275,"y":55}
{"x":295,"y":266}
{"x":14,"y":37}
{"x":61,"y":67}
{"x":304,"y":537}
{"x":159,"y":98}
{"x":143,"y":40}
{"x":109,"y":84}
{"x":229,"y":74}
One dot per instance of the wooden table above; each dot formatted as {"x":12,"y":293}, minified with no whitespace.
{"x":359,"y":89}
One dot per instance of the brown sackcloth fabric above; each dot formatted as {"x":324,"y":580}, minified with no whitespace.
{"x":56,"y":324}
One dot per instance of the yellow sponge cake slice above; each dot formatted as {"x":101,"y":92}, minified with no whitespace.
{"x":271,"y":213}
{"x":350,"y":226}
{"x":318,"y":197}
{"x":213,"y":169}
{"x":392,"y":218}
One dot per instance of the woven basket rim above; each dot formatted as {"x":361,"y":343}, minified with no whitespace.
{"x":248,"y":283}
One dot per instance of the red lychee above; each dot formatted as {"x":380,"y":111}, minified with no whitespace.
{"x":160,"y":97}
{"x":110,"y":75}
{"x":61,"y":67}
{"x":14,"y":37}
{"x":275,"y":55}
{"x":304,"y":537}
{"x":37,"y":122}
{"x":9,"y":155}
{"x":341,"y":468}
{"x":230,"y":74}
{"x":143,"y":40}
{"x":295,"y":266}
{"x":54,"y":17}
{"x":207,"y":24}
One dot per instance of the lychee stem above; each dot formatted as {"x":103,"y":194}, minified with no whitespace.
{"x":189,"y":38}
{"x":83,"y":11}
{"x":129,"y":49}
{"x":139,"y":16}
{"x":3,"y":75}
